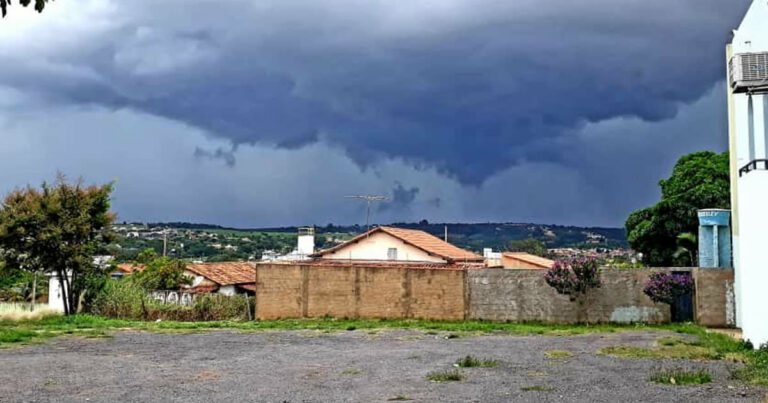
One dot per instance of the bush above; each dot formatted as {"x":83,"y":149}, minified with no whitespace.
{"x":574,"y":277}
{"x":123,"y":300}
{"x":667,"y":287}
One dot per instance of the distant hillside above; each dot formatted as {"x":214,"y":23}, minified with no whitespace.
{"x":475,"y":236}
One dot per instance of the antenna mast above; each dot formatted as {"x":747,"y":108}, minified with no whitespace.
{"x":368,"y":199}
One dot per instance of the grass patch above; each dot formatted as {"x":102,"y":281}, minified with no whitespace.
{"x":679,"y":376}
{"x":474,"y":362}
{"x":445,"y":376}
{"x":558,"y":354}
{"x":677,"y":351}
{"x":353,"y":372}
{"x":537,"y":389}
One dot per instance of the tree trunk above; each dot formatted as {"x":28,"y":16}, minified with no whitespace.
{"x":34,"y":292}
{"x":63,"y":286}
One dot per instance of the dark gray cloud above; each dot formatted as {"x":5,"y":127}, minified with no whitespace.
{"x":434,"y":84}
{"x":402,"y":197}
{"x":520,"y":110}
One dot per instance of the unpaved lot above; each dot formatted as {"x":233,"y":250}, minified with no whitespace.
{"x":355,"y":366}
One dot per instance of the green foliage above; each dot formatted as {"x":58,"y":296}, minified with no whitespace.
{"x":680,"y":376}
{"x":529,"y":245}
{"x":125,"y":300}
{"x":699,"y":180}
{"x":445,"y":376}
{"x":59,"y":227}
{"x":146,"y":256}
{"x":38,"y":4}
{"x":161,"y":274}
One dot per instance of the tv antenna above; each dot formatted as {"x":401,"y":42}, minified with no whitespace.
{"x":368,"y":199}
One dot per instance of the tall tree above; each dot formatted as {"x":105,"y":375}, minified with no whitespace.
{"x":39,"y":5}
{"x":58,"y":229}
{"x":699,"y":180}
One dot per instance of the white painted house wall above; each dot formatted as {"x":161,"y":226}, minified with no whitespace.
{"x":376,"y":246}
{"x":750,"y":202}
{"x":55,"y":293}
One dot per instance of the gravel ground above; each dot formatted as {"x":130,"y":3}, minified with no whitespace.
{"x":355,"y":366}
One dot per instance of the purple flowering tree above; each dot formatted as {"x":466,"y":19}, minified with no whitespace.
{"x":575,"y":278}
{"x":667,"y":287}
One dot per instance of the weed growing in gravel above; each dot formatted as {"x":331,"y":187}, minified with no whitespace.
{"x":445,"y":376}
{"x":471,"y":362}
{"x":680,"y":376}
{"x":558,"y":354}
{"x":353,"y":372}
{"x":537,"y":389}
{"x":677,"y":351}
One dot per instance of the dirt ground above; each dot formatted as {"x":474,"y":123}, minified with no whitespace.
{"x":353,"y":366}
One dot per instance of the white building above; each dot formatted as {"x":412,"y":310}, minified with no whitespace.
{"x":398,"y":245}
{"x":748,"y":143}
{"x":305,"y":247}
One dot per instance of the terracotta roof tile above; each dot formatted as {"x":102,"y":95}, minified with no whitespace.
{"x":202,"y":289}
{"x":542,"y":262}
{"x":420,"y":239}
{"x":226,"y":273}
{"x":129,"y":268}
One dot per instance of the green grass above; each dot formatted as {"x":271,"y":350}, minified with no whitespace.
{"x":473,"y":362}
{"x":537,"y":389}
{"x":679,"y":376}
{"x":353,"y":372}
{"x":445,"y":376}
{"x":558,"y":354}
{"x":752,"y":364}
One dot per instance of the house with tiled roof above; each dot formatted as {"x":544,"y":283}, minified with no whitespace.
{"x":228,"y":278}
{"x":522,"y":260}
{"x":399,"y":245}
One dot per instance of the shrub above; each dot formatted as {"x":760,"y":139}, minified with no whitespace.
{"x":574,"y":277}
{"x":124,"y":300}
{"x":667,"y":287}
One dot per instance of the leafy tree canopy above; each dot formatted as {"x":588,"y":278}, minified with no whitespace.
{"x":38,"y":4}
{"x":58,"y":228}
{"x":699,"y":180}
{"x":162,"y":274}
{"x":529,"y":245}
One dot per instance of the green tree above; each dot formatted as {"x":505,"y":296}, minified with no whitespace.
{"x":58,"y":229}
{"x":529,"y":245}
{"x":146,"y":256}
{"x":699,"y":180}
{"x":38,"y":4}
{"x":162,"y":274}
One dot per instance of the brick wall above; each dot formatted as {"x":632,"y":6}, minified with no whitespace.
{"x":293,"y":291}
{"x":290,"y":291}
{"x":715,"y":301}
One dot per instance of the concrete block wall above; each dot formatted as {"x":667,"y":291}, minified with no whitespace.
{"x":523,"y":295}
{"x":715,"y":300}
{"x":295,"y":291}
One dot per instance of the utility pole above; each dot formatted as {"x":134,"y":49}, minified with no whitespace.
{"x":446,"y":234}
{"x":165,"y":242}
{"x":368,"y":199}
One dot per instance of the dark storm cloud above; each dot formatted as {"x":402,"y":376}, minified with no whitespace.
{"x":467,"y":87}
{"x":402,"y":197}
{"x":228,"y":156}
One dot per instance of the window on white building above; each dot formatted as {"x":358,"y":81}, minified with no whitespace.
{"x":392,"y":253}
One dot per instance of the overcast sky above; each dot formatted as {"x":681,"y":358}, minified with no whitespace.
{"x":255,"y":113}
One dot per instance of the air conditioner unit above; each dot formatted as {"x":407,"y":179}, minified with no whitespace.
{"x":749,"y":72}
